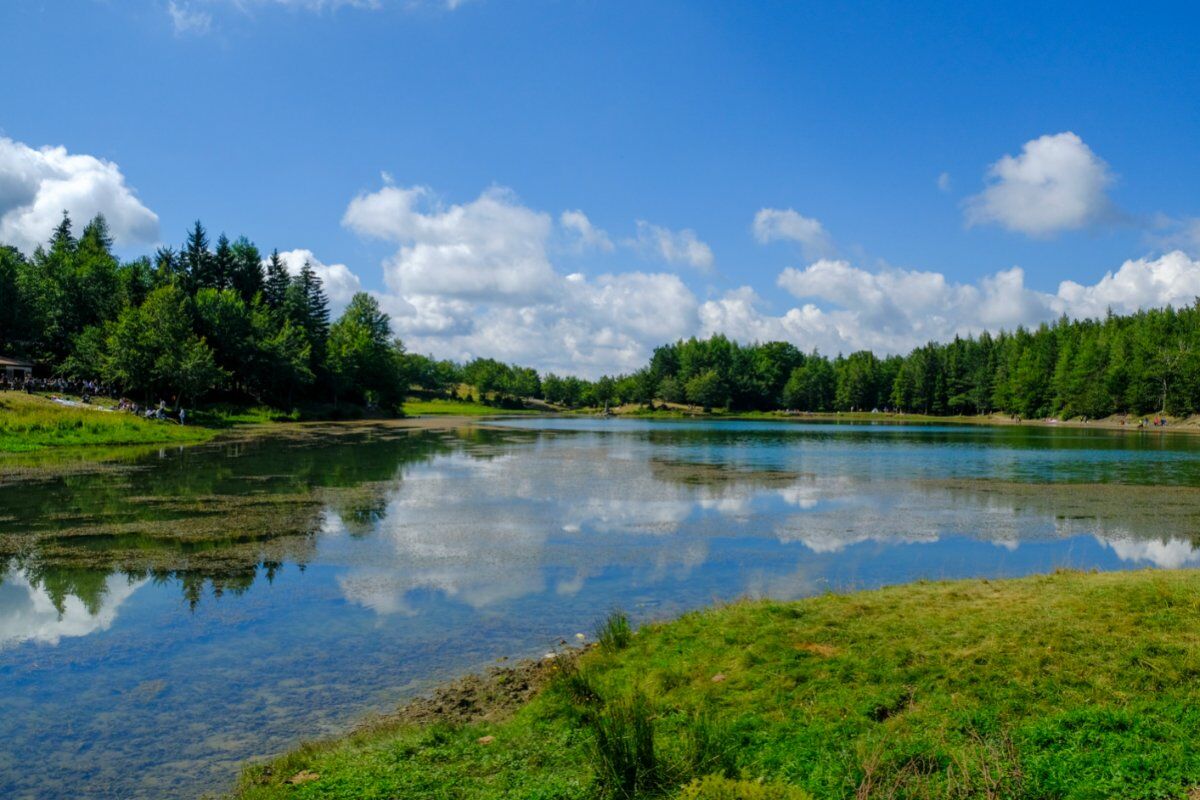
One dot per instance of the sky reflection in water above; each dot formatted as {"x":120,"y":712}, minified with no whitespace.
{"x":162,"y":621}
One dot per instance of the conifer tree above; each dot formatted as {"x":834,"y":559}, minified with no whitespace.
{"x":222,"y":265}
{"x":247,"y":277}
{"x":275,"y":291}
{"x":196,"y":259}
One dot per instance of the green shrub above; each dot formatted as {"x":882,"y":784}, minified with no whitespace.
{"x":624,"y":759}
{"x":614,"y":633}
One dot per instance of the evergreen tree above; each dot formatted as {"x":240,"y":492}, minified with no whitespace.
{"x":247,"y":276}
{"x":222,"y":265}
{"x":277,"y":280}
{"x":197,"y":261}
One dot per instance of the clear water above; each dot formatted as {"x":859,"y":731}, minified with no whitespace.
{"x":176,"y":612}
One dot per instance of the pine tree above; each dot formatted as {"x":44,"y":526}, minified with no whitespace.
{"x":62,"y":241}
{"x":275,"y":291}
{"x":247,"y":277}
{"x":307,"y":308}
{"x":167,"y":267}
{"x":316,"y":303}
{"x":222,"y":265}
{"x":196,"y":259}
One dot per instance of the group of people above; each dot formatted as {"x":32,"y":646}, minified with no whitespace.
{"x":83,"y":388}
{"x":152,"y":412}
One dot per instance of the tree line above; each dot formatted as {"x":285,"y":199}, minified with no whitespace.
{"x":221,"y":319}
{"x":192,"y":322}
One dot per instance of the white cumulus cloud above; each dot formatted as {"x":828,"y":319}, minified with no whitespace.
{"x":846,"y":308}
{"x":37,"y":185}
{"x":477,"y":279}
{"x":490,"y":248}
{"x":774,"y":224}
{"x":1057,"y":183}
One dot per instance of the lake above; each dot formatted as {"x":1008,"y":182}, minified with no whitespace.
{"x":167,"y":614}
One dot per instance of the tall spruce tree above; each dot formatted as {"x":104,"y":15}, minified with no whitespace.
{"x":276,"y":289}
{"x":222,"y":265}
{"x":197,"y":260}
{"x":247,"y":276}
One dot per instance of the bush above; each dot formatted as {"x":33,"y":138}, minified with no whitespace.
{"x":623,"y":755}
{"x":614,"y":633}
{"x":716,"y":787}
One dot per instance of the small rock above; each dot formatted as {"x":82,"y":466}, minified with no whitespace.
{"x":486,"y":739}
{"x":720,"y":676}
{"x":550,"y":656}
{"x":580,"y":636}
{"x":303,"y":776}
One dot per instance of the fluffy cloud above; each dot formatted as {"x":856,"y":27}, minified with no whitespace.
{"x":491,"y":248}
{"x":773,"y":224}
{"x":1057,"y":183}
{"x":340,"y":283}
{"x":674,"y":247}
{"x":476,"y":279}
{"x":36,"y":186}
{"x":592,"y":326}
{"x":585,"y":234}
{"x":893,"y":311}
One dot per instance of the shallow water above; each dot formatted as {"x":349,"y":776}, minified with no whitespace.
{"x":166,"y":616}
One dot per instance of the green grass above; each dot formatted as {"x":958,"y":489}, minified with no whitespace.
{"x":29,"y":423}
{"x":459,"y":408}
{"x":1069,"y":685}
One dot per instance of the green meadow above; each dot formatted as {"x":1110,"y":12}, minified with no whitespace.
{"x":1067,"y":685}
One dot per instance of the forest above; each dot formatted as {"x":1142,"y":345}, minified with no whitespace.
{"x":219,"y":321}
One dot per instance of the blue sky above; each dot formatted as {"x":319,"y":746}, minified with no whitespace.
{"x":467,"y":129}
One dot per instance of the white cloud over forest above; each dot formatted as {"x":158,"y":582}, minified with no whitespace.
{"x":37,"y":185}
{"x":339,"y":282}
{"x":479,"y":278}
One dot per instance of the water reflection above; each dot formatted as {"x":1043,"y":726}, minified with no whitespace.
{"x":31,"y":611}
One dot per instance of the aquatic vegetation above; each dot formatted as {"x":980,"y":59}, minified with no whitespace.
{"x":1067,"y":685}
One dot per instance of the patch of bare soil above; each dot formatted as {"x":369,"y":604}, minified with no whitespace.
{"x":493,"y":695}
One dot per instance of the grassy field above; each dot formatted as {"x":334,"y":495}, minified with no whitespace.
{"x":458,"y":408}
{"x":30,"y":422}
{"x":1062,"y":686}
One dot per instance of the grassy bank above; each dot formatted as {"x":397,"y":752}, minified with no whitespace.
{"x":1062,"y":686}
{"x":30,"y":422}
{"x":458,"y":408}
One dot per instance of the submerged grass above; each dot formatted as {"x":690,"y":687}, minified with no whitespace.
{"x":30,"y":422}
{"x":1061,"y":686}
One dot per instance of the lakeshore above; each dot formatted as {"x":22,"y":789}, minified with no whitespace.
{"x":1064,"y":685}
{"x":286,"y":580}
{"x":37,"y":422}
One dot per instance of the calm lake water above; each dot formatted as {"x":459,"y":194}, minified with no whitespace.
{"x":169,"y":614}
